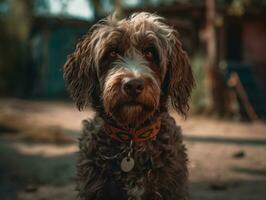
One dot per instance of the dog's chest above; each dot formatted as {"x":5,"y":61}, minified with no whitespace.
{"x":120,"y":183}
{"x":106,"y":154}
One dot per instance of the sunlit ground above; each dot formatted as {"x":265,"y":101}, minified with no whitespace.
{"x":38,"y":145}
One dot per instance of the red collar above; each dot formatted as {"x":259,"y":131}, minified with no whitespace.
{"x":140,"y":135}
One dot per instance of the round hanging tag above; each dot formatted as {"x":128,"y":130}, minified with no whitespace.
{"x":127,"y":164}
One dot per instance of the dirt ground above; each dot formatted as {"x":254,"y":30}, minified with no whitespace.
{"x":38,"y":145}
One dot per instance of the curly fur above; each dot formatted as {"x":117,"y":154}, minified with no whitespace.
{"x":109,"y":55}
{"x":101,"y":178}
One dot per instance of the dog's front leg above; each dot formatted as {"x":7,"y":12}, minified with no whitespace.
{"x":91,"y":181}
{"x":91,"y":175}
{"x":135,"y":189}
{"x":165,"y":184}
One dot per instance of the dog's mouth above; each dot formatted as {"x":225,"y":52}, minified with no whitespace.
{"x":132,"y":108}
{"x":135,"y":104}
{"x":131,"y":113}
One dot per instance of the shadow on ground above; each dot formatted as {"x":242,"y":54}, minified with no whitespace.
{"x":229,"y":190}
{"x":225,"y":140}
{"x":25,"y":171}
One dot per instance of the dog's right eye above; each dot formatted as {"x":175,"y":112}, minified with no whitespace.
{"x":113,"y":53}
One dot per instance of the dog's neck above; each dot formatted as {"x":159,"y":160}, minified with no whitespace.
{"x":134,"y":126}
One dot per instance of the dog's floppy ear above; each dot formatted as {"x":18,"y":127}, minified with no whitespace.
{"x":180,"y":75}
{"x":80,"y":73}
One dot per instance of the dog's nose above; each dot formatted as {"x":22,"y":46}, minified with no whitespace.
{"x":133,"y":87}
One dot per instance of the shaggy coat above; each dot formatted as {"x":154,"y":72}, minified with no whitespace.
{"x":129,"y":71}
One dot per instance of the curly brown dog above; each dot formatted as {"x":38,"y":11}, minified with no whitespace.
{"x":129,"y":71}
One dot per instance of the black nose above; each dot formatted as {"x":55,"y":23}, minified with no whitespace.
{"x":133,"y":87}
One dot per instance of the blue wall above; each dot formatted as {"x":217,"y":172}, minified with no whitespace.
{"x":50,"y":48}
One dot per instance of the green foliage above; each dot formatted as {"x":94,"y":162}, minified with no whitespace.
{"x":199,"y":96}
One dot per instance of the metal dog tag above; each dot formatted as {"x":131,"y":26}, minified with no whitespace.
{"x":127,"y":164}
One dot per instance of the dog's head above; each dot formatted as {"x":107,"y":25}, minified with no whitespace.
{"x":129,"y":68}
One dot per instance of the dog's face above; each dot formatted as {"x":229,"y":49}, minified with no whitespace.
{"x":129,"y":68}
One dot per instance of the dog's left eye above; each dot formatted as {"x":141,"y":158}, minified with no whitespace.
{"x":113,"y":53}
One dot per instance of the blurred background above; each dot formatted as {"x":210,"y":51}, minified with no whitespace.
{"x":225,"y":132}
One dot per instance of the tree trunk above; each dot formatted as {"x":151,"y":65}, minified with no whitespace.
{"x":14,"y":48}
{"x":214,"y":81}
